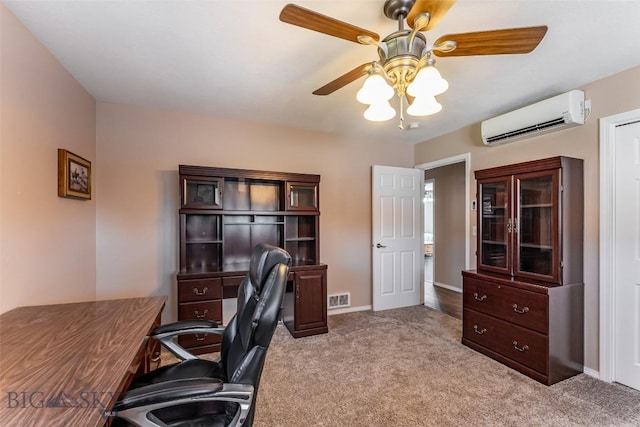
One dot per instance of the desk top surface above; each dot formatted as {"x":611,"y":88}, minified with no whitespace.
{"x":65,"y":364}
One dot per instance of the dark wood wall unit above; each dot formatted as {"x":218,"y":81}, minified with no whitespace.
{"x":524,"y":306}
{"x":223,"y":214}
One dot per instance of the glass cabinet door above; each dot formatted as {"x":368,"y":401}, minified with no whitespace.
{"x":202,"y":193}
{"x":536,"y":225}
{"x":302,"y":196}
{"x":494,"y":228}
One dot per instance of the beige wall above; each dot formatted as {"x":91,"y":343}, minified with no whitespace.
{"x":48,"y":245}
{"x":609,"y":96}
{"x":449,"y":223}
{"x":139,"y":150}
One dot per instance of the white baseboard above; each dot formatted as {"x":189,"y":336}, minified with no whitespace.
{"x":445,"y":286}
{"x":348,"y":310}
{"x":591,"y":372}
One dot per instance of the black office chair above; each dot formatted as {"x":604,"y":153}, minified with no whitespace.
{"x":196,"y":392}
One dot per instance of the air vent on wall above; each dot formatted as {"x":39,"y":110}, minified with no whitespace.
{"x":339,"y":300}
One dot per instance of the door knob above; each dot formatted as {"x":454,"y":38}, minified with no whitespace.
{"x":378,"y":245}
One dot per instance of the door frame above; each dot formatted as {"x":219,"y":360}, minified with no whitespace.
{"x":466,"y":158}
{"x":607,"y":238}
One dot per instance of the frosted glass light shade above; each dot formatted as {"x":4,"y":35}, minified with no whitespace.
{"x":374,"y":90}
{"x":380,"y":112}
{"x":428,"y":82}
{"x":424,"y":106}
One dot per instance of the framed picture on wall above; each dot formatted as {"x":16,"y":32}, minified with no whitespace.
{"x":74,"y":176}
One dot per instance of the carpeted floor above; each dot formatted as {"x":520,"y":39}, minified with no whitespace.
{"x":406,"y":367}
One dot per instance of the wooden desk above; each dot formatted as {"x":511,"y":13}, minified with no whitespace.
{"x":66,"y":364}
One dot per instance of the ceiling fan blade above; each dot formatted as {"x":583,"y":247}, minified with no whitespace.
{"x":305,"y":18}
{"x":344,"y":80}
{"x":436,"y":8}
{"x":496,"y":42}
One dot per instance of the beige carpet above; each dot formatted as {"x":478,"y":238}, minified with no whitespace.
{"x":406,"y":367}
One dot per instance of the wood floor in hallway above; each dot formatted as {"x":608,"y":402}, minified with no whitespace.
{"x":445,"y":300}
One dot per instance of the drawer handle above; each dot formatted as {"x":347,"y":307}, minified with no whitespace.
{"x":520,"y":349}
{"x":200,"y":338}
{"x":479,"y":298}
{"x":479,"y":331}
{"x":200,"y":316}
{"x":156,"y":357}
{"x":521,"y":311}
{"x":197,"y":291}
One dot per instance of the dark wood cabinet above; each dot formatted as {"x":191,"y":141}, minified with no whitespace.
{"x":224,"y":213}
{"x":302,"y":196}
{"x":201,"y":192}
{"x":524,"y":304}
{"x":305,"y":309}
{"x":530,"y":220}
{"x":534,"y":328}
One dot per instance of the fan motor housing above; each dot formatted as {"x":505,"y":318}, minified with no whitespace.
{"x":398,"y":46}
{"x":401,"y":59}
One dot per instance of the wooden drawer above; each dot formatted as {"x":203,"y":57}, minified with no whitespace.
{"x":517,"y":343}
{"x":210,"y":310}
{"x":199,"y":290}
{"x":525,"y":308}
{"x":196,"y":340}
{"x":230,"y":285}
{"x":232,"y":280}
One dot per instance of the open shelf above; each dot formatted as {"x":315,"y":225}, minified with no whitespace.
{"x":494,"y":242}
{"x":538,"y":205}
{"x":535,"y":246}
{"x":253,"y":195}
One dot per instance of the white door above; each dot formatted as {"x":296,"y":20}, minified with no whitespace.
{"x":627,"y":256}
{"x":397,"y":251}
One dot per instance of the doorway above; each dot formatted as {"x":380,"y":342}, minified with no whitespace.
{"x":619,"y":247}
{"x":447,"y":231}
{"x":429,"y":244}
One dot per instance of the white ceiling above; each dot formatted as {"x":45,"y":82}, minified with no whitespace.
{"x":236,"y":59}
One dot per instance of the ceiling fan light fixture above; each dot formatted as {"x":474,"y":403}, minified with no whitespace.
{"x":428,"y":81}
{"x":424,"y":106}
{"x":380,"y":112}
{"x":374,"y":90}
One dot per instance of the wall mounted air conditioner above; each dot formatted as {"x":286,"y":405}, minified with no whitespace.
{"x":559,"y":112}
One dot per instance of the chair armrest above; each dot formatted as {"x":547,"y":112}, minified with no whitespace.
{"x":183,"y":324}
{"x":137,"y":403}
{"x":165,"y":334}
{"x":167,"y":391}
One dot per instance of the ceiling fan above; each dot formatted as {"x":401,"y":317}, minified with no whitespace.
{"x":406,"y":64}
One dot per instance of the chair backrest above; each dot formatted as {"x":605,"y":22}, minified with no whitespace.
{"x":249,"y":332}
{"x":248,"y":335}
